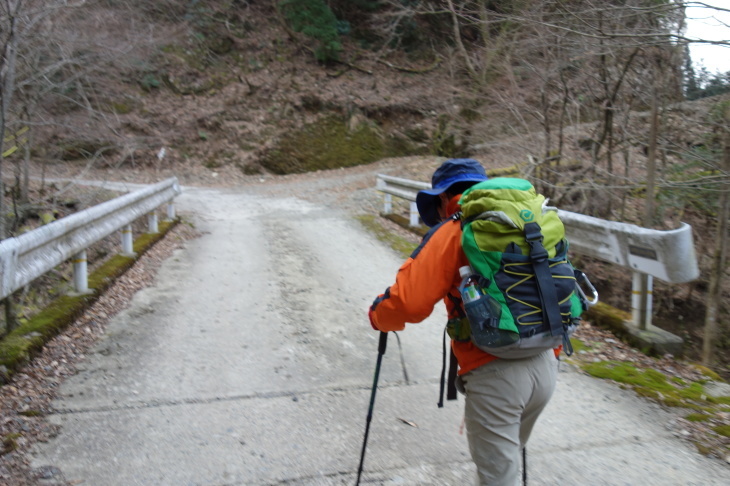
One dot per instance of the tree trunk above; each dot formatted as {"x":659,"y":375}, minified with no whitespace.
{"x":459,"y":43}
{"x":11,"y":314}
{"x":714,"y":292}
{"x":25,"y":176}
{"x":7,"y":88}
{"x":651,"y":163}
{"x":25,"y":172}
{"x":649,"y":206}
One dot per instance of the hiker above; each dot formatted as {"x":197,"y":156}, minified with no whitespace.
{"x":504,"y":397}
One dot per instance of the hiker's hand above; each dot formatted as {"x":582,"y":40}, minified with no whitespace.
{"x":377,"y":301}
{"x":370,"y":318}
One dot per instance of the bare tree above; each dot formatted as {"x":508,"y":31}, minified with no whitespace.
{"x":9,"y":13}
{"x":50,"y":65}
{"x":25,"y":26}
{"x":617,"y":65}
{"x":719,"y":257}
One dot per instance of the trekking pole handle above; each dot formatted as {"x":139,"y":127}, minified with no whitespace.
{"x":382,"y":343}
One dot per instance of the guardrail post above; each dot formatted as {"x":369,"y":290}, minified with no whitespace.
{"x":403,"y":188}
{"x":127,"y":241}
{"x":414,"y":214}
{"x":152,"y":223}
{"x":641,"y":299}
{"x":170,"y":211}
{"x":388,"y":204}
{"x":81,"y":276}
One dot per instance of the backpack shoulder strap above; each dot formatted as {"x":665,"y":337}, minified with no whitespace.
{"x":453,"y":367}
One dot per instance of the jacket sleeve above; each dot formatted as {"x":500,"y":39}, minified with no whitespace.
{"x":423,"y":280}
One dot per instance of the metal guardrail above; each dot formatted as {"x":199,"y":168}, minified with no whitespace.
{"x":404,"y":189}
{"x":667,"y":255}
{"x":30,"y":255}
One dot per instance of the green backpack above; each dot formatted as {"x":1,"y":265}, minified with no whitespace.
{"x":529,"y":297}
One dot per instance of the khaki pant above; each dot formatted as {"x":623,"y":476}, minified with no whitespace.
{"x":503,"y":400}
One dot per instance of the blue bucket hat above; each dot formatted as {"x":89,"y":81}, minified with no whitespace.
{"x":450,"y":172}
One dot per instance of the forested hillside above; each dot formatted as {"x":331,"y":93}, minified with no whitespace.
{"x":597,"y":101}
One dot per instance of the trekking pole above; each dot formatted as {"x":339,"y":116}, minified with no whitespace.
{"x":381,"y":351}
{"x":524,"y":466}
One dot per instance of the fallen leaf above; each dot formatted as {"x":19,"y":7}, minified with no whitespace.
{"x":408,"y":422}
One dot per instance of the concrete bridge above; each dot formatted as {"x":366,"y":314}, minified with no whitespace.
{"x":250,"y":362}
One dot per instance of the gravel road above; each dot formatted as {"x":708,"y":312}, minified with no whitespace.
{"x":249,"y":361}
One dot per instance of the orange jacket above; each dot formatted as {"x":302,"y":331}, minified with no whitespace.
{"x":429,"y":275}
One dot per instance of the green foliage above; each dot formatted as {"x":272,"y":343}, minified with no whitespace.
{"x":315,"y":19}
{"x":343,"y":27}
{"x":704,"y":84}
{"x":355,"y":20}
{"x":198,"y":13}
{"x":408,"y":34}
{"x":149,"y":82}
{"x":366,"y":5}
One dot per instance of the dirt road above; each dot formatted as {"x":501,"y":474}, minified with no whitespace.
{"x":250,"y":361}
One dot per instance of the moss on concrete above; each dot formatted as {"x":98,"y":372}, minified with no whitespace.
{"x":10,"y":443}
{"x":651,"y":341}
{"x":606,"y":316}
{"x":655,"y":385}
{"x":630,"y":375}
{"x":31,"y":413}
{"x":404,"y":222}
{"x":708,"y":372}
{"x":399,"y":244}
{"x":109,"y":271}
{"x":332,"y":143}
{"x":578,"y":345}
{"x":20,"y":345}
{"x":698,"y":417}
{"x":511,"y":171}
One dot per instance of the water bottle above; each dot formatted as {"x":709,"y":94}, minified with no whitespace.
{"x":482,"y":310}
{"x":470,"y":289}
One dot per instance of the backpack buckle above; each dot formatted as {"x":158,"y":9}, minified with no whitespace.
{"x":534,"y":237}
{"x":533,"y":234}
